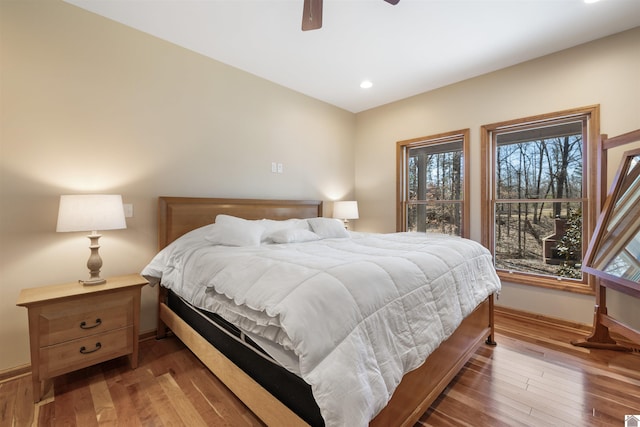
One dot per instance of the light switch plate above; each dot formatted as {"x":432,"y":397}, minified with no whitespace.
{"x":128,"y":210}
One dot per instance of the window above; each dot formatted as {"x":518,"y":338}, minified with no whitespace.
{"x":538,"y":180}
{"x":432,"y":184}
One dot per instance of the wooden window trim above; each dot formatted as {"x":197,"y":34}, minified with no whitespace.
{"x":401,"y":175}
{"x":591,"y":167}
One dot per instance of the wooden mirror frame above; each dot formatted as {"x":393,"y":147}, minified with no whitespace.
{"x":604,"y":238}
{"x":616,"y":229}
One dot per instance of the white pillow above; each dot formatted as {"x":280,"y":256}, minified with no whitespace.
{"x":328,"y":228}
{"x":232,"y":231}
{"x":292,"y":235}
{"x":270,"y":226}
{"x":228,"y":219}
{"x":274,"y":225}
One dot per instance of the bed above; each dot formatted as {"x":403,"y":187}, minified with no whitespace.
{"x":266,"y":383}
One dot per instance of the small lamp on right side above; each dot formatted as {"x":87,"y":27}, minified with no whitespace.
{"x":345,"y":210}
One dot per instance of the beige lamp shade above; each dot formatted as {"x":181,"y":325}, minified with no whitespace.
{"x":91,"y":212}
{"x":345,"y":209}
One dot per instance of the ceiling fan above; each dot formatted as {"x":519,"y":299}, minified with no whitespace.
{"x":312,"y":14}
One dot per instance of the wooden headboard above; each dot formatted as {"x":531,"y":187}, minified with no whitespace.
{"x":179,"y":215}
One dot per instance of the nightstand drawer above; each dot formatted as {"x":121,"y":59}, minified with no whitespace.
{"x":68,"y":320}
{"x":71,"y":355}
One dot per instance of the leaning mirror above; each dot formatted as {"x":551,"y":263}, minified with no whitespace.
{"x":614,"y":252}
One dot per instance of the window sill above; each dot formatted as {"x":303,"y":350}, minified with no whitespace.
{"x":547,"y":282}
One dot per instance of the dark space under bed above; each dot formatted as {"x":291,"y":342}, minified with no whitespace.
{"x":287,"y":387}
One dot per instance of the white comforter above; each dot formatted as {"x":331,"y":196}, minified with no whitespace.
{"x":359,"y":312}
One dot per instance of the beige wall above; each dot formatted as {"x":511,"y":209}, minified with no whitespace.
{"x":89,"y":105}
{"x":603,"y":72}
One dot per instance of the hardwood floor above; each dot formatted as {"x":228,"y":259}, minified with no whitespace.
{"x":534,"y":377}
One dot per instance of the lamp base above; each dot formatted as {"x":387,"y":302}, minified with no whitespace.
{"x":94,"y":263}
{"x":93,"y":282}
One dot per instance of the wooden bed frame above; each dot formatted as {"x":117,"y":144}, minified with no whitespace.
{"x":417,"y":390}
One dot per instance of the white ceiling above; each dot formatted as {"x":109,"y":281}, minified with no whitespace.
{"x":407,"y":49}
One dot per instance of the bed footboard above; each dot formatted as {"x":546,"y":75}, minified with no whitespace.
{"x":422,"y":386}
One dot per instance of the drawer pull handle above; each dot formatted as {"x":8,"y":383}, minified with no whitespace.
{"x":84,"y":350}
{"x":83,"y":324}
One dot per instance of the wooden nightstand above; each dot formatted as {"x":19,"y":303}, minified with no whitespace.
{"x":72,"y":326}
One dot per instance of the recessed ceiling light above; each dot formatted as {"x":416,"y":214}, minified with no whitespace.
{"x":591,"y":1}
{"x":366,"y":84}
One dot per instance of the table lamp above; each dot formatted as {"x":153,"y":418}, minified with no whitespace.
{"x":91,"y":212}
{"x":345,"y":210}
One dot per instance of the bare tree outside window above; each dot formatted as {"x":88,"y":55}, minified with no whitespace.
{"x":432,"y":185}
{"x":537,"y":198}
{"x":538,"y":183}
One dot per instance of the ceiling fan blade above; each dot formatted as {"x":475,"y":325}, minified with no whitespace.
{"x":312,"y":15}
{"x":392,"y":1}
